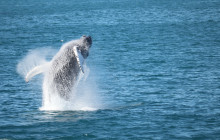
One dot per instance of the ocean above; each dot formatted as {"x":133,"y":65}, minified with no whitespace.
{"x":153,"y":71}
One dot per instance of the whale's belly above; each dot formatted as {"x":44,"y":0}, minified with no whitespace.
{"x":64,"y":76}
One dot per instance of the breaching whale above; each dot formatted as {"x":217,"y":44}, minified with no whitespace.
{"x":62,"y":72}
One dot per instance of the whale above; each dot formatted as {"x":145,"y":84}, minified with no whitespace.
{"x":62,"y":72}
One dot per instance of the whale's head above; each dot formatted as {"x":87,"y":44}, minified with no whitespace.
{"x":85,"y":44}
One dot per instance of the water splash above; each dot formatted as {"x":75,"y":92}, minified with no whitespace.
{"x":34,"y":58}
{"x":84,"y":96}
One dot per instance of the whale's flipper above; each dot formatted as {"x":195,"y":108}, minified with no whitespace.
{"x":79,"y":58}
{"x":36,"y":70}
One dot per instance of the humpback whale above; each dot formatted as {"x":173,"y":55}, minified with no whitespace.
{"x":62,"y":72}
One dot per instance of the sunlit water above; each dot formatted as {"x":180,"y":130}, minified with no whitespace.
{"x":153,"y":69}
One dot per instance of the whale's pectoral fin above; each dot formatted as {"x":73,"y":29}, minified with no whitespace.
{"x":35,"y":71}
{"x":79,"y":58}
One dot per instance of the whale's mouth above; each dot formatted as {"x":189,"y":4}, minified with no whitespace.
{"x":79,"y":58}
{"x":89,"y":40}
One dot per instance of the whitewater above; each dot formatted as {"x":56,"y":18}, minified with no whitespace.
{"x":84,"y":95}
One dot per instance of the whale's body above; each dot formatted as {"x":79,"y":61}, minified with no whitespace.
{"x":62,"y":72}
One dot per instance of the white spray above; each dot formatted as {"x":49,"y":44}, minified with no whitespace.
{"x":84,"y":94}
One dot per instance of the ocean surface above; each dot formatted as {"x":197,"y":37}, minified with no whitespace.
{"x":154,"y":69}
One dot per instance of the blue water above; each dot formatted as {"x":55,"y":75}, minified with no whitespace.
{"x":155,"y":67}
